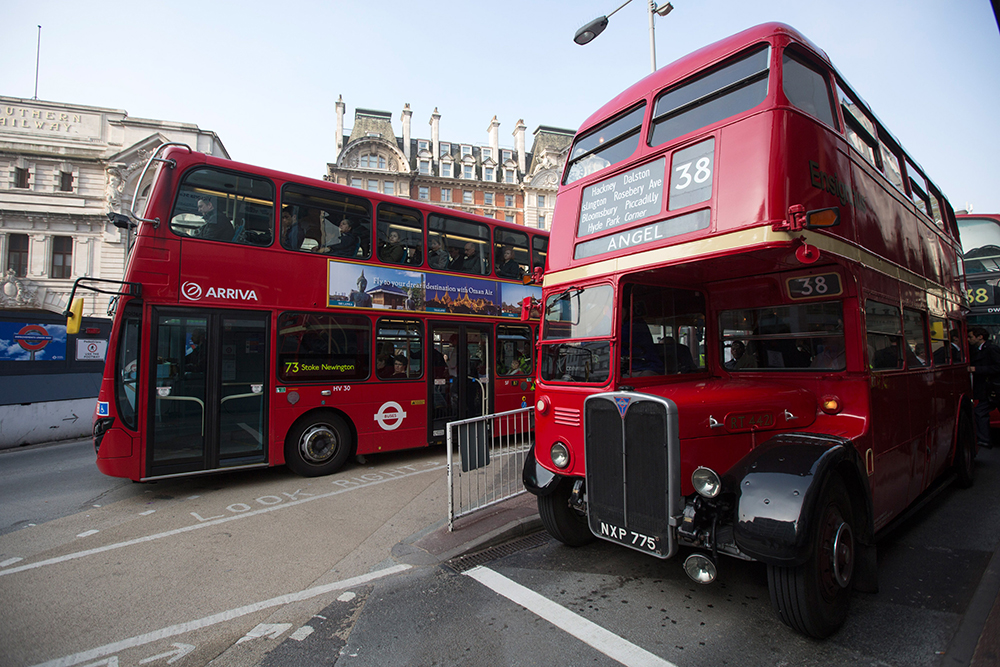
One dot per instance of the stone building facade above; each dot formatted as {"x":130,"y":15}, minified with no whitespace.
{"x":62,"y":168}
{"x":503,"y":182}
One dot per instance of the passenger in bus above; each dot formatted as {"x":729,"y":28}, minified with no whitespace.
{"x":984,"y":364}
{"x":292,"y":233}
{"x":640,"y":355}
{"x":217,"y":225}
{"x":832,"y":354}
{"x":437,"y":258}
{"x":470,"y":261}
{"x":383,"y":369}
{"x":348,"y":243}
{"x":677,"y":356}
{"x":392,"y":249}
{"x":454,"y":258}
{"x":194,"y":357}
{"x":741,"y":358}
{"x":508,"y":267}
{"x":399,"y":366}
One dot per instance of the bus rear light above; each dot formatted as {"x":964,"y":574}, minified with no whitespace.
{"x":560,"y":455}
{"x":542,"y":405}
{"x":830,"y":405}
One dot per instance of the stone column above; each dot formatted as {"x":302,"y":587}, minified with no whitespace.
{"x":519,"y":145}
{"x":435,"y":133}
{"x":493,"y":131}
{"x":339,"y":139}
{"x":406,"y":118}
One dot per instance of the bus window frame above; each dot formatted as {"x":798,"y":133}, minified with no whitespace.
{"x":238,"y":201}
{"x":741,"y":84}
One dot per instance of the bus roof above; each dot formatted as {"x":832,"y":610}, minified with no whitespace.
{"x":695,"y":61}
{"x":175,"y":151}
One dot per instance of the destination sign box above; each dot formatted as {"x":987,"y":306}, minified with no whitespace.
{"x":634,"y":195}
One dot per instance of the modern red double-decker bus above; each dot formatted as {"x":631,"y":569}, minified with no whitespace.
{"x":269,"y":319}
{"x":747,"y":324}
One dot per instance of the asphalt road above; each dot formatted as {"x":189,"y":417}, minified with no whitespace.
{"x":267,"y":568}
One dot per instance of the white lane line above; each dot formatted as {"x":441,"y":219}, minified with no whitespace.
{"x":11,"y":561}
{"x":586,"y":631}
{"x":88,"y":533}
{"x":206,"y":524}
{"x":214,"y":619}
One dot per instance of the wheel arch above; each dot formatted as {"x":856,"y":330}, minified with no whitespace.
{"x":777,"y":487}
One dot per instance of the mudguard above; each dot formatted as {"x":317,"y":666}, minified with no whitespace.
{"x":538,"y":480}
{"x":778,"y":485}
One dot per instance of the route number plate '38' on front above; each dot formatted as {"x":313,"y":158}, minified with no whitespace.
{"x":632,"y":457}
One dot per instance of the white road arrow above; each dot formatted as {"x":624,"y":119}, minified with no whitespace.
{"x":180,"y":650}
{"x":268,"y":630}
{"x":108,"y":662}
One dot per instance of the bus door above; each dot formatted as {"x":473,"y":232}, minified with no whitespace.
{"x":460,"y":376}
{"x":208,"y":403}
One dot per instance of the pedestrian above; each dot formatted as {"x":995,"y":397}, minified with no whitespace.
{"x":984,"y":364}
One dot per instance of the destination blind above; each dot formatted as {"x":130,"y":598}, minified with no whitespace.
{"x":633,"y":195}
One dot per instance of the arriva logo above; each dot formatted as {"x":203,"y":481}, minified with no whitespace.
{"x":193,"y":291}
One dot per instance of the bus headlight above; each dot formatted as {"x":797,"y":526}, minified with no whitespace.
{"x":542,"y":405}
{"x":560,"y":455}
{"x":706,"y":482}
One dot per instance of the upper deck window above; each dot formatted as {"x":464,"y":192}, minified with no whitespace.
{"x":606,"y":145}
{"x":860,"y":127}
{"x":733,"y":88}
{"x":806,"y":88}
{"x":224,"y":206}
{"x":323,"y":221}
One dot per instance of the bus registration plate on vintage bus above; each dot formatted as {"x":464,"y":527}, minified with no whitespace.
{"x":630,"y":538}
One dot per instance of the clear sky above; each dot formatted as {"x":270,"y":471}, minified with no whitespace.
{"x":265,"y":76}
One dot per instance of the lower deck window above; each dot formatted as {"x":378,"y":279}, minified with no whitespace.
{"x":800,"y":337}
{"x":317,"y":347}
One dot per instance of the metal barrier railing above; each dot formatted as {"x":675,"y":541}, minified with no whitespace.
{"x":491,"y":450}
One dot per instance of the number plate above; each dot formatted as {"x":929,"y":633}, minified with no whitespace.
{"x":814,"y":287}
{"x":630,"y":538}
{"x":749,"y":421}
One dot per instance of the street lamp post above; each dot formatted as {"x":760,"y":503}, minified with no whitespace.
{"x":587,"y":33}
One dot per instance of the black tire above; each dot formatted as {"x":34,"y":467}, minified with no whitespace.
{"x":566,"y":524}
{"x":813,"y":598}
{"x":319,"y":445}
{"x":965,"y":450}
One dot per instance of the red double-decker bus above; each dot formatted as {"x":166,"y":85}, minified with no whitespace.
{"x":749,"y":313}
{"x":268,"y":319}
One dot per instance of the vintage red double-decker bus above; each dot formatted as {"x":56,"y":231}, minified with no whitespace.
{"x":747,"y":324}
{"x":270,"y":319}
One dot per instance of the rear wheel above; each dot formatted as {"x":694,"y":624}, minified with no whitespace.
{"x":319,"y":445}
{"x":813,"y":598}
{"x":564,"y":522}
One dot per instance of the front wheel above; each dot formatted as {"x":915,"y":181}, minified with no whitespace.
{"x":319,"y":445}
{"x":564,"y":522}
{"x":812,"y":598}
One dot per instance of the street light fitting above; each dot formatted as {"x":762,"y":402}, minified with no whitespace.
{"x":587,"y":33}
{"x":663,"y":10}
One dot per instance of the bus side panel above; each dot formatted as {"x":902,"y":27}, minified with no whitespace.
{"x":818,"y":173}
{"x":741,"y":177}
